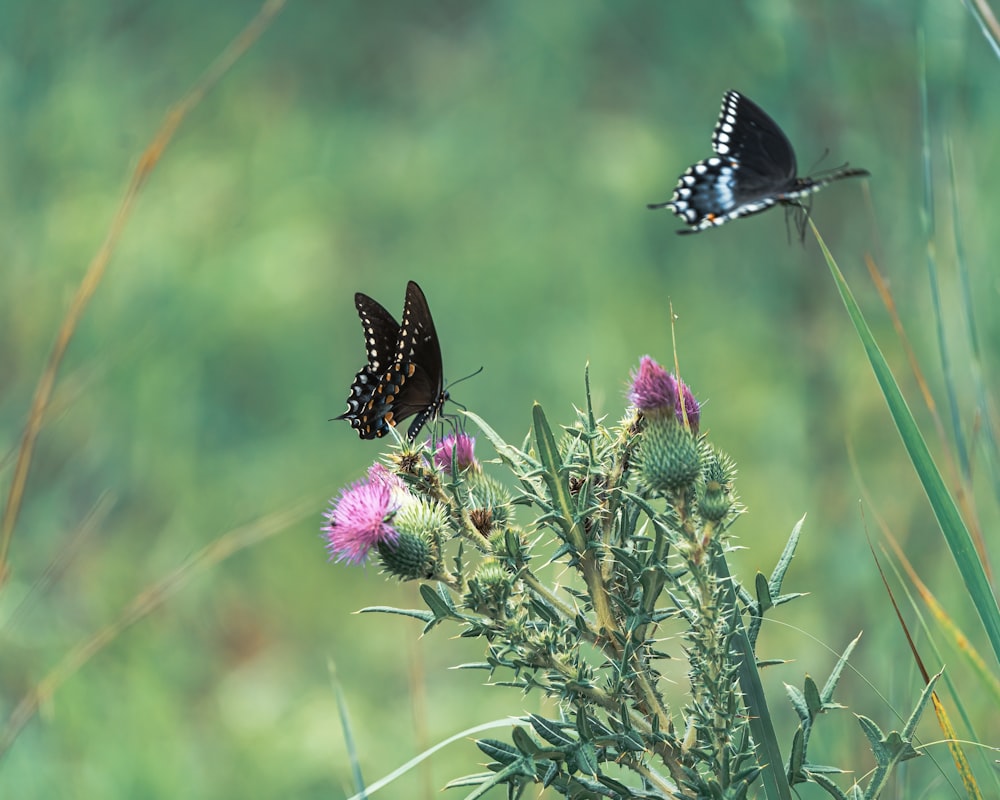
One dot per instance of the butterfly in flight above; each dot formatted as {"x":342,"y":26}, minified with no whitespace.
{"x":752,"y":170}
{"x":403,"y":376}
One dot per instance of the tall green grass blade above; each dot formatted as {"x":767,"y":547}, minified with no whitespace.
{"x":928,"y":225}
{"x":991,"y":34}
{"x":953,"y":692}
{"x":345,"y":725}
{"x":952,"y":526}
{"x":989,"y":431}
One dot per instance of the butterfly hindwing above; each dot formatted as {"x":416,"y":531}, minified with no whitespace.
{"x":381,"y":336}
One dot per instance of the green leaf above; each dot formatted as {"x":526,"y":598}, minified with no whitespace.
{"x":831,"y":682}
{"x":796,"y":758}
{"x":775,"y":782}
{"x":550,"y":731}
{"x":822,"y":769}
{"x":524,"y":742}
{"x":523,"y":767}
{"x":516,"y":458}
{"x":498,"y":751}
{"x":763,"y":593}
{"x":586,"y":759}
{"x":416,"y":613}
{"x":875,"y":737}
{"x":441,"y":607}
{"x":799,"y":703}
{"x":556,"y":481}
{"x":813,"y":701}
{"x":949,"y":519}
{"x":831,"y":788}
{"x":911,"y":723}
{"x":774,"y":584}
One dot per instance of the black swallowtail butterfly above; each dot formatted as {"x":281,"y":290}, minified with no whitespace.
{"x":754,"y":169}
{"x":403,"y":375}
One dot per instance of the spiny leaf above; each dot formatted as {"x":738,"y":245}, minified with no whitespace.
{"x":774,"y":584}
{"x":417,"y":613}
{"x":831,"y":682}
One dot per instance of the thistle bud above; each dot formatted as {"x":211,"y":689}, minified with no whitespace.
{"x":408,"y":558}
{"x":669,"y":456}
{"x":412,"y":556}
{"x":715,"y":497}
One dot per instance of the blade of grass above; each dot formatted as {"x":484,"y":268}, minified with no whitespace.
{"x":950,"y":521}
{"x":958,"y":640}
{"x":142,"y":605}
{"x":962,"y":487}
{"x":928,"y":226}
{"x":944,"y":721}
{"x":98,"y":265}
{"x":348,"y":730}
{"x":984,"y":398}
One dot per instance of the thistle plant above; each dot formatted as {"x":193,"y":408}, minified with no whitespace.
{"x":640,"y":512}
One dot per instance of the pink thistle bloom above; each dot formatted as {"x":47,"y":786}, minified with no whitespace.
{"x":377,"y":473}
{"x":653,"y":388}
{"x":691,"y":406}
{"x":458,"y":448}
{"x":359,"y":518}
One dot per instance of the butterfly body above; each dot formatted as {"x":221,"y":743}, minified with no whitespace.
{"x":403,"y":376}
{"x":753,"y":170}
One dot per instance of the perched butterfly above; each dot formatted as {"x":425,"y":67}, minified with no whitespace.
{"x":754,"y":169}
{"x":403,"y":374}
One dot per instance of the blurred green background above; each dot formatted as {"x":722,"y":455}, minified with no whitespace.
{"x":501,"y":154}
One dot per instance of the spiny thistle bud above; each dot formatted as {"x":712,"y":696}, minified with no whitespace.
{"x":423,"y":517}
{"x":669,"y":456}
{"x":715,"y":498}
{"x":408,"y":558}
{"x":482,"y":520}
{"x":490,"y":588}
{"x":509,"y":547}
{"x":490,"y":497}
{"x":412,"y":555}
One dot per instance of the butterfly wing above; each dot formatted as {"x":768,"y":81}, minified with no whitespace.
{"x":381,"y":341}
{"x":418,"y":359}
{"x":753,"y":167}
{"x":747,"y":135}
{"x":403,"y":375}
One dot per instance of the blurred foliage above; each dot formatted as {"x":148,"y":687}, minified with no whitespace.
{"x":501,"y":154}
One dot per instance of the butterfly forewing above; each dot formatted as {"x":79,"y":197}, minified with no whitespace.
{"x":420,"y":353}
{"x":381,"y":331}
{"x":748,"y":136}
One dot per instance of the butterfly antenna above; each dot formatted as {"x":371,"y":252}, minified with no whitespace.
{"x":820,"y":160}
{"x":456,"y":382}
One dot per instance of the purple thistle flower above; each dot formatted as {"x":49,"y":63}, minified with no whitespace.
{"x":691,"y":406}
{"x":458,"y":448}
{"x":358,"y":519}
{"x":377,"y":473}
{"x":653,"y":388}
